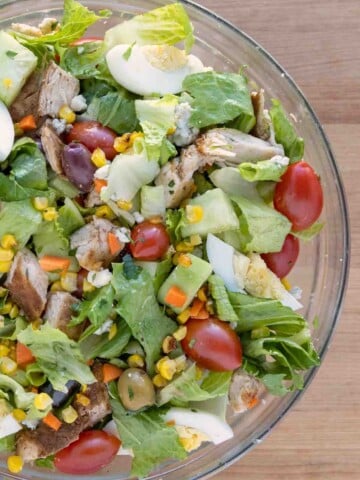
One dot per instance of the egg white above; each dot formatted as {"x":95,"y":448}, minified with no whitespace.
{"x":7,"y":134}
{"x":137,"y":75}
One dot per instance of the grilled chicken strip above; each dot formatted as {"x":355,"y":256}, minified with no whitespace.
{"x":245,"y":391}
{"x":43,"y":441}
{"x":58,"y":88}
{"x":26,"y":103}
{"x":59,"y":311}
{"x":92,"y":246}
{"x":28,"y":283}
{"x":223,"y":146}
{"x":53,"y":147}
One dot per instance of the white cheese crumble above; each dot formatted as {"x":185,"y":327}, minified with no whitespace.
{"x":99,"y":279}
{"x":59,"y":126}
{"x":78,"y":103}
{"x":138,"y":217}
{"x":103,"y":172}
{"x":105,"y":327}
{"x":123,"y":235}
{"x":32,"y":424}
{"x":280,"y":161}
{"x":184,"y":134}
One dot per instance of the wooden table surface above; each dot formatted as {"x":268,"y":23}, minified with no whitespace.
{"x":318,"y":43}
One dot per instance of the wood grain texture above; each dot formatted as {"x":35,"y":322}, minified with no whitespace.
{"x":318,"y":43}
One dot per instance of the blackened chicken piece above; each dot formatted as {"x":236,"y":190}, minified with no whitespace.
{"x":26,"y":103}
{"x":44,"y":441}
{"x":53,"y":147}
{"x":58,"y":313}
{"x":28,"y":283}
{"x":57,"y":89}
{"x":91,"y":243}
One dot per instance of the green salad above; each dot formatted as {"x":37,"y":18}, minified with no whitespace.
{"x":151,"y":209}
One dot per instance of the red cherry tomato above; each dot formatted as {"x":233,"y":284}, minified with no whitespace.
{"x":93,"y":135}
{"x":282,"y":262}
{"x":212,"y":344}
{"x":92,"y":451}
{"x":83,"y":40}
{"x":150,"y":241}
{"x":299,"y":195}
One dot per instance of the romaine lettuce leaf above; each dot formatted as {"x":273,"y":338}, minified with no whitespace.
{"x":264,"y":170}
{"x":22,"y":398}
{"x":100,"y":346}
{"x":50,"y":239}
{"x":168,"y":25}
{"x":76,"y":20}
{"x":156,"y":118}
{"x":28,"y":164}
{"x":151,"y":439}
{"x":58,"y":356}
{"x":219,"y":98}
{"x":220,"y":296}
{"x":187,"y":388}
{"x":309,"y":233}
{"x":285,"y":133}
{"x":19,"y":219}
{"x":264,"y":228}
{"x":137,"y":304}
{"x":69,"y":219}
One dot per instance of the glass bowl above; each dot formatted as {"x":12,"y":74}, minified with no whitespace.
{"x":322,"y":268}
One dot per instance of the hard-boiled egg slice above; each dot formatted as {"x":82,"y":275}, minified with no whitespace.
{"x":215,"y":429}
{"x":7,"y":133}
{"x":151,"y":69}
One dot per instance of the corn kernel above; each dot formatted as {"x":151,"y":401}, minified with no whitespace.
{"x":4,"y":350}
{"x":112,"y":331}
{"x":286,"y":284}
{"x":199,"y":372}
{"x":105,"y":212}
{"x":7,"y":366}
{"x":201,"y":295}
{"x":65,"y":113}
{"x":180,"y":363}
{"x":56,"y":287}
{"x":42,"y":401}
{"x":180,"y":333}
{"x":121,"y":144}
{"x":184,"y":260}
{"x":159,"y":381}
{"x":6,"y":309}
{"x":18,"y":414}
{"x":124,"y":205}
{"x":184,"y":247}
{"x":184,"y":316}
{"x":171,"y":130}
{"x":36,"y":324}
{"x":68,"y":281}
{"x":8,"y":241}
{"x":194,"y":213}
{"x":135,"y":361}
{"x":50,"y":214}
{"x":7,"y":82}
{"x":14,"y":312}
{"x":156,"y":219}
{"x":166,"y":367}
{"x":195,"y":240}
{"x":87,"y":286}
{"x":83,"y":388}
{"x":98,"y":158}
{"x":15,"y":463}
{"x":134,"y":136}
{"x":169,"y":344}
{"x":83,"y":399}
{"x":3,"y":292}
{"x":40,"y":203}
{"x":5,"y":267}
{"x":69,"y":414}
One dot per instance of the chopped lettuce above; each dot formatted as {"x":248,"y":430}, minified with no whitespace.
{"x":168,"y":25}
{"x":70,"y":219}
{"x":187,"y":388}
{"x":22,"y":399}
{"x":167,"y":151}
{"x":50,"y":239}
{"x":100,"y":346}
{"x":232,"y":183}
{"x":309,"y":233}
{"x":219,"y":98}
{"x":156,"y":118}
{"x":264,"y":229}
{"x":137,"y":304}
{"x":220,"y":296}
{"x":27,"y":220}
{"x":285,"y":133}
{"x":28,"y":164}
{"x":58,"y":356}
{"x":7,"y":444}
{"x":12,"y":191}
{"x":174,"y":221}
{"x":152,"y":201}
{"x":76,"y":20}
{"x":128,"y":173}
{"x":147,"y":434}
{"x":264,"y":170}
